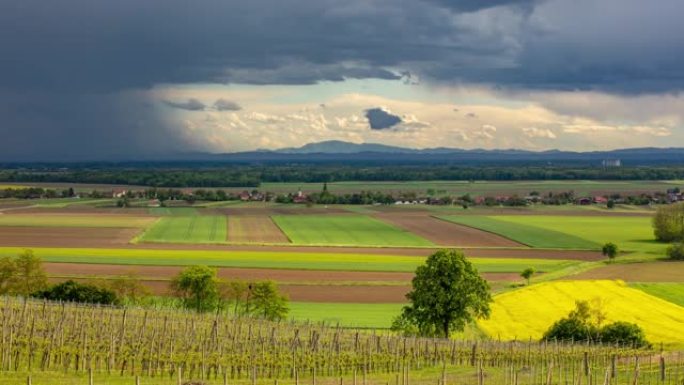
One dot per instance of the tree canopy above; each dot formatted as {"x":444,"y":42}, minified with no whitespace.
{"x":447,"y":293}
{"x":668,"y":223}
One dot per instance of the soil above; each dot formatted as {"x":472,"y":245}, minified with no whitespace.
{"x":666,"y":271}
{"x":292,"y":276}
{"x":254,"y":229}
{"x":65,"y":236}
{"x":445,"y":233}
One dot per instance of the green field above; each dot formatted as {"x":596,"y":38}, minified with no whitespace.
{"x":528,"y":234}
{"x":39,"y":220}
{"x":187,"y":229}
{"x":630,"y":233}
{"x":362,"y":315}
{"x":673,"y":292}
{"x":273,"y":260}
{"x":354,"y":230}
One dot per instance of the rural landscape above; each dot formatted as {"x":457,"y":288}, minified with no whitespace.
{"x":341,"y":192}
{"x":344,"y":271}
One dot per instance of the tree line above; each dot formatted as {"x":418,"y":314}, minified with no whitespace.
{"x":240,"y":175}
{"x":197,"y":288}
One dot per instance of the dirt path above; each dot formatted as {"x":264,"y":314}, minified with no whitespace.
{"x":446,"y":233}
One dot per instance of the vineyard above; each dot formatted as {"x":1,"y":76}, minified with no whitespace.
{"x":46,"y":342}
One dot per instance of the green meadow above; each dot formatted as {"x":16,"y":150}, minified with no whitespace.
{"x":354,"y":230}
{"x":673,"y":292}
{"x":187,"y":229}
{"x":361,"y":315}
{"x":630,"y":233}
{"x":273,"y":260}
{"x":525,"y":233}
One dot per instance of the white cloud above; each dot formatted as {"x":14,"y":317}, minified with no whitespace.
{"x":535,"y":132}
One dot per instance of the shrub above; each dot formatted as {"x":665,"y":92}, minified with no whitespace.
{"x":624,"y":333}
{"x":571,"y":329}
{"x":676,"y":251}
{"x":610,"y":250}
{"x":71,"y":291}
{"x":668,"y":222}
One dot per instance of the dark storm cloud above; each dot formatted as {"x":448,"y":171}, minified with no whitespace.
{"x":226,"y":105}
{"x":94,"y":52}
{"x":38,"y":126}
{"x":379,"y":119}
{"x":191,"y":104}
{"x":476,"y":5}
{"x":85,"y":45}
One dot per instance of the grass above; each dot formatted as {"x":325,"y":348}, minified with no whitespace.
{"x":48,"y":220}
{"x":528,"y":234}
{"x":629,"y":233}
{"x":59,"y":203}
{"x":356,"y":230}
{"x":187,"y":229}
{"x":530,"y":311}
{"x":272,"y":260}
{"x":361,"y":315}
{"x":673,"y":292}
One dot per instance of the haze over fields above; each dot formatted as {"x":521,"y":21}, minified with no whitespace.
{"x":84,"y":80}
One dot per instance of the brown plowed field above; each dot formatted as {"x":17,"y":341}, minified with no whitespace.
{"x":665,"y":271}
{"x":65,"y":236}
{"x":166,"y":272}
{"x":254,"y":229}
{"x":346,"y":294}
{"x":268,"y":211}
{"x":446,"y":233}
{"x":307,"y":293}
{"x":87,"y":237}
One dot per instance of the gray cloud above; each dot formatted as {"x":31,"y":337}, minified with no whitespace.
{"x":78,"y":45}
{"x":191,"y":104}
{"x":380,"y":119}
{"x":94,"y":53}
{"x":477,"y":5}
{"x":42,"y":126}
{"x":226,"y":105}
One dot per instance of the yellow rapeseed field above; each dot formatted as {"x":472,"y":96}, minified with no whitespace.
{"x":530,"y":311}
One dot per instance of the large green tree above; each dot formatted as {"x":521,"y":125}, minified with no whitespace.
{"x":668,"y":223}
{"x":447,"y":294}
{"x":197,"y":286}
{"x":22,"y":275}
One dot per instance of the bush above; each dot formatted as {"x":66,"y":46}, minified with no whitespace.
{"x":71,"y":291}
{"x":624,"y":333}
{"x":668,"y":221}
{"x":571,"y":329}
{"x":676,"y":251}
{"x":584,"y":324}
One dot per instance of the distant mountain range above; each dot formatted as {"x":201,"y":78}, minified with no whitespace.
{"x":340,"y":152}
{"x":335,"y":151}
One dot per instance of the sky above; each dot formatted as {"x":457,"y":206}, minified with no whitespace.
{"x":130,"y":79}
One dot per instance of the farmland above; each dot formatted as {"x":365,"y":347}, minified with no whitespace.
{"x":187,"y":229}
{"x":673,"y":292}
{"x":529,"y":312}
{"x":569,"y":232}
{"x":159,"y":348}
{"x":530,"y":235}
{"x":345,"y":230}
{"x":68,"y":220}
{"x":272,"y":260}
{"x":346,"y":264}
